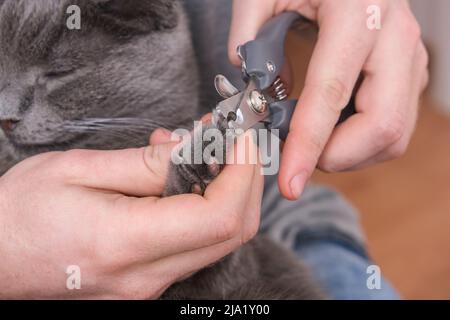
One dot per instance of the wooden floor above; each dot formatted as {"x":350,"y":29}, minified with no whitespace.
{"x":405,"y":210}
{"x":404,"y":204}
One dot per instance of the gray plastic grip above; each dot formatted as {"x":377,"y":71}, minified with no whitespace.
{"x":264,"y":57}
{"x":281,"y":114}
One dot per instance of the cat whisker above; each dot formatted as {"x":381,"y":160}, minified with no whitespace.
{"x":122,"y":129}
{"x":120,"y":122}
{"x":128,"y":129}
{"x":104,"y":131}
{"x":126,"y":124}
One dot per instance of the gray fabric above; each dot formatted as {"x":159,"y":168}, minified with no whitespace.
{"x":319,"y":208}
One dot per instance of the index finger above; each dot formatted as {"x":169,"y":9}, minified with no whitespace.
{"x":344,"y":43}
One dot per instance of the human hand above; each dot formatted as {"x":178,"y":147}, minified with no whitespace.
{"x":101,"y":211}
{"x":393,"y":61}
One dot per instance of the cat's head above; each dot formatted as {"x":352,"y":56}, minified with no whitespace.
{"x":127,"y":70}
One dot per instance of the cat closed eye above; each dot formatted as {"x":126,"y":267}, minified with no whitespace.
{"x":58,"y":73}
{"x":53,"y":75}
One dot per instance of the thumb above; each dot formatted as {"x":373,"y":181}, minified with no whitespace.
{"x":247,"y":18}
{"x":134,"y":172}
{"x":160,"y":136}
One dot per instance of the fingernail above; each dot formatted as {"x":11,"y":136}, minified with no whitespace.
{"x":165,"y":132}
{"x":297,"y":184}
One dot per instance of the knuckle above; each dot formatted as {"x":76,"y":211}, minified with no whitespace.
{"x":314,"y":143}
{"x":229,"y":226}
{"x":106,"y":259}
{"x":414,"y":28}
{"x":335,"y":94}
{"x":409,"y":27}
{"x":107,"y":255}
{"x":251,"y":231}
{"x":132,"y":287}
{"x":423,"y":65}
{"x":153,"y":161}
{"x":389,"y":131}
{"x":397,"y":150}
{"x":151,"y":156}
{"x":423,"y":56}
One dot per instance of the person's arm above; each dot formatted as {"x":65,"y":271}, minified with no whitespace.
{"x":393,"y":61}
{"x":101,"y":211}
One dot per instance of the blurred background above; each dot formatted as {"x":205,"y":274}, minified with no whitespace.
{"x":405,"y":204}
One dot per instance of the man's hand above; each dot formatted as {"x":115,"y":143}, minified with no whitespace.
{"x":393,"y":61}
{"x":101,"y":211}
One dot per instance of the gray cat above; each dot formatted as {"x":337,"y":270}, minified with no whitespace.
{"x":130,"y":69}
{"x":92,"y":88}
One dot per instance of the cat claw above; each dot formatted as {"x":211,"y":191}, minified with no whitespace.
{"x":214,"y":168}
{"x":196,"y":189}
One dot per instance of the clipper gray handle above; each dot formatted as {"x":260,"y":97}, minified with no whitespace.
{"x":282,"y":111}
{"x":263,"y":58}
{"x":280,"y":118}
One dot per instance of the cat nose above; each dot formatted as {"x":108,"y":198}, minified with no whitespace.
{"x":8,"y":125}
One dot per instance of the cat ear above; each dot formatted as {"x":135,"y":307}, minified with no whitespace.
{"x":136,"y":16}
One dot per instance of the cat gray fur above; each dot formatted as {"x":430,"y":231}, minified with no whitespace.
{"x":131,"y":68}
{"x":110,"y":69}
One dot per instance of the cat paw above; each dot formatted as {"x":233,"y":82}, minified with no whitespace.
{"x":214,"y":168}
{"x":187,"y":177}
{"x":191,"y":178}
